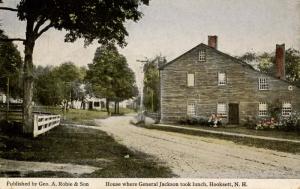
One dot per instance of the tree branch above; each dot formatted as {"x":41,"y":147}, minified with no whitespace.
{"x":9,"y":9}
{"x":11,"y":39}
{"x":39,"y":24}
{"x":44,"y":30}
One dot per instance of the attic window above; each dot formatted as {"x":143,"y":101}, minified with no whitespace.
{"x":202,"y":55}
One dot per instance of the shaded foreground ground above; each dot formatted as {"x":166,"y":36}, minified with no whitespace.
{"x":73,"y":152}
{"x":203,"y":157}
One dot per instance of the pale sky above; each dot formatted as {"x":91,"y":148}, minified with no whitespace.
{"x":172,"y":27}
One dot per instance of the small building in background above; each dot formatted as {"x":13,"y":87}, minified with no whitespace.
{"x":94,"y":103}
{"x":2,"y":98}
{"x":89,"y":103}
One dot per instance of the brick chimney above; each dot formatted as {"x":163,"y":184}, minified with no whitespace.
{"x":213,"y":41}
{"x":280,"y":61}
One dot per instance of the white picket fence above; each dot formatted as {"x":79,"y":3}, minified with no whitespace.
{"x":43,"y":123}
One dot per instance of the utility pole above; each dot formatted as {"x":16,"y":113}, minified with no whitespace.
{"x":152,"y":100}
{"x":141,"y":116}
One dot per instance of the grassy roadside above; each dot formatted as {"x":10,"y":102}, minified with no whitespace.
{"x":244,"y":130}
{"x":259,"y":143}
{"x":79,"y":146}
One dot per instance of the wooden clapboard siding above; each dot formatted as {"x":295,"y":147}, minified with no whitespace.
{"x":241,"y":87}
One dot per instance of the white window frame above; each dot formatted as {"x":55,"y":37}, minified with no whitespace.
{"x":202,"y":55}
{"x":262,"y":109}
{"x":224,"y":80}
{"x":191,"y":109}
{"x":222,"y":109}
{"x":263,"y":84}
{"x":286,"y":109}
{"x":190,"y":79}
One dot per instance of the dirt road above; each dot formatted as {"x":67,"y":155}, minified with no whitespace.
{"x":200,"y":157}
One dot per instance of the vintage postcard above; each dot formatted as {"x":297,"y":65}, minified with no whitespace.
{"x":150,"y":94}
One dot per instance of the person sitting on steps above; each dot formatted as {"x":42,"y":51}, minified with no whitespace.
{"x":214,"y":120}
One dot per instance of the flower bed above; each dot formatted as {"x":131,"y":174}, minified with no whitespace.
{"x":285,"y":123}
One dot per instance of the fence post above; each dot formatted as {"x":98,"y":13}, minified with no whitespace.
{"x":35,"y":124}
{"x":7,"y":99}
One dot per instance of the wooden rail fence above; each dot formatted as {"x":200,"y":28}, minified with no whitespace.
{"x":43,"y":123}
{"x":43,"y":118}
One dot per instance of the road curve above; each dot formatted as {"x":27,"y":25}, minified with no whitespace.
{"x":200,"y":157}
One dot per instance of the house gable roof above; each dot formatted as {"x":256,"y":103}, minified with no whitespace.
{"x":236,"y":60}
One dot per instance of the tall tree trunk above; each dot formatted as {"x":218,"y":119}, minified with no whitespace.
{"x":82,"y":106}
{"x":118,"y":107}
{"x":107,"y":106}
{"x":28,"y":79}
{"x":115,"y":107}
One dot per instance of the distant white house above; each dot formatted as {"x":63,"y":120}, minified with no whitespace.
{"x":89,"y":103}
{"x":129,"y":103}
{"x":2,"y":98}
{"x":95,"y":103}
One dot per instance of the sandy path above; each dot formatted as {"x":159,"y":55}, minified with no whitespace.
{"x":192,"y":156}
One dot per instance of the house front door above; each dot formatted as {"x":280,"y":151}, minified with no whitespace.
{"x":233,"y":117}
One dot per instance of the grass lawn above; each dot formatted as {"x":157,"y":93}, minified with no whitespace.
{"x":83,"y":116}
{"x":79,"y":146}
{"x":259,"y":143}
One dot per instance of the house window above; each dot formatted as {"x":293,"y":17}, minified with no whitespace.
{"x":191,"y":80}
{"x":221,"y":78}
{"x":262,"y":109}
{"x":263,"y":83}
{"x":286,"y":109}
{"x":202,"y":55}
{"x":191,"y":109}
{"x":221,"y":109}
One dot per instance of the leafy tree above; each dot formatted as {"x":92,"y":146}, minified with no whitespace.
{"x":250,"y":58}
{"x":292,"y":67}
{"x":125,"y":87}
{"x":266,"y":64}
{"x":67,"y":72}
{"x":10,"y":66}
{"x":101,"y":20}
{"x":110,"y":75}
{"x":55,"y":85}
{"x":49,"y":89}
{"x":72,"y":77}
{"x":151,"y":83}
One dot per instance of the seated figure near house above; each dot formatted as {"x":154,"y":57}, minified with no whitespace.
{"x":214,"y":120}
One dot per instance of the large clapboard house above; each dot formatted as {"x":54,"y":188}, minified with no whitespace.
{"x":204,"y":80}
